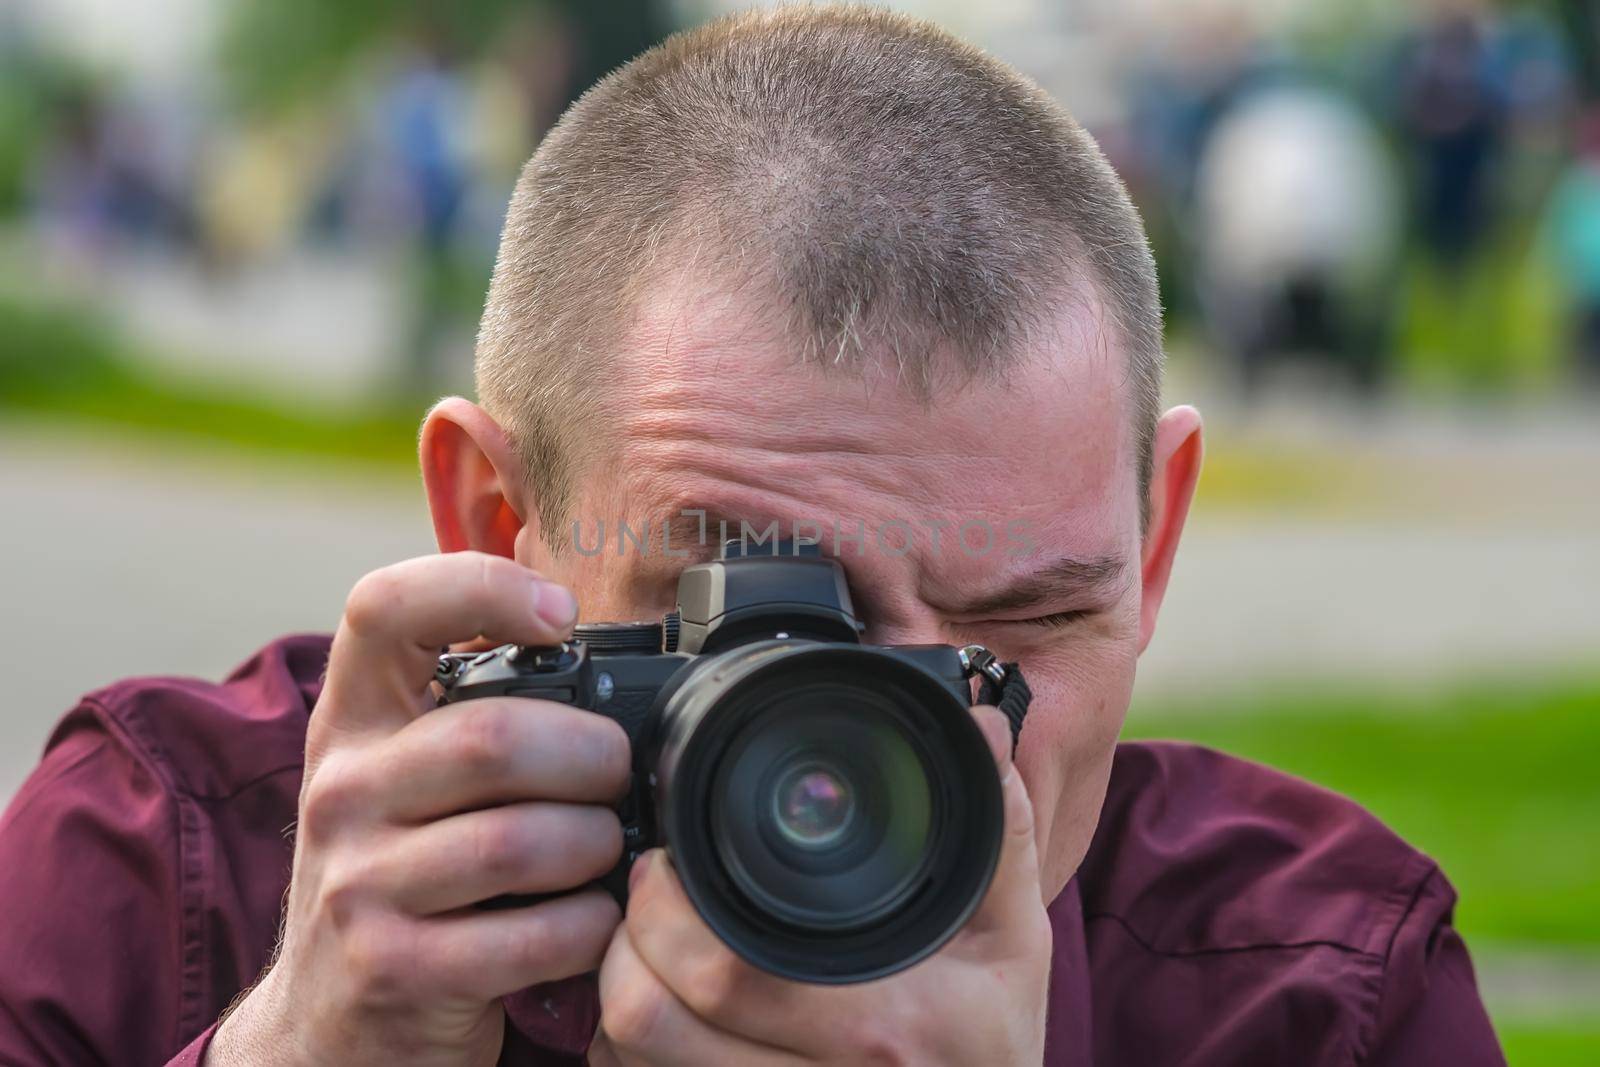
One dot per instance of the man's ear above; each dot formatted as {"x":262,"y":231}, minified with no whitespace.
{"x":473,"y":479}
{"x":1175,"y":470}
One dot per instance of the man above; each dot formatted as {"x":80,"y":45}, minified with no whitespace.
{"x":822,"y":263}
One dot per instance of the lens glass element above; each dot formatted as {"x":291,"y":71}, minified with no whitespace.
{"x":823,"y":809}
{"x":813,"y":806}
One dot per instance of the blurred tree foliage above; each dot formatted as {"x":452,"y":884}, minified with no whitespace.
{"x":279,"y":53}
{"x":35,"y":89}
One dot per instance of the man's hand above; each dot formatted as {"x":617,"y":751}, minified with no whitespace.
{"x":406,"y":820}
{"x":671,"y":993}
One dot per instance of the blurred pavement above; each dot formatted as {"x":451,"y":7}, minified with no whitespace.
{"x":121,"y":560}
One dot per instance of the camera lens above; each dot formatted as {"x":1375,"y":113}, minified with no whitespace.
{"x":832,"y":810}
{"x":813,"y":805}
{"x":823,"y":815}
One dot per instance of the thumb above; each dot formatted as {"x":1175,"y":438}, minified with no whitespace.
{"x":997,"y":731}
{"x":1015,"y":890}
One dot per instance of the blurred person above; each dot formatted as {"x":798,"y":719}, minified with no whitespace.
{"x":1451,"y":114}
{"x":423,"y":116}
{"x":814,"y":261}
{"x":115,"y":175}
{"x":1572,"y":239}
{"x":1296,"y":224}
{"x":1531,"y":66}
{"x":1185,"y":83}
{"x":258,"y":180}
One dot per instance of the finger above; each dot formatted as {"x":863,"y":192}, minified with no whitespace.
{"x":521,"y":848}
{"x":499,"y":750}
{"x":484,"y":955}
{"x":601,"y":1053}
{"x":643,"y":1021}
{"x":997,"y":732}
{"x":669,"y":935}
{"x":1014,"y":896}
{"x":397,"y":619}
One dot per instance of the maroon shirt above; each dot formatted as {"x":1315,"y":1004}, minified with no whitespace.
{"x":1225,"y":914}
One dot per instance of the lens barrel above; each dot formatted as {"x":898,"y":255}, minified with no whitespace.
{"x":832,"y":810}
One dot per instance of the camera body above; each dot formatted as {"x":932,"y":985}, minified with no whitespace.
{"x":624,"y":686}
{"x":831,"y":808}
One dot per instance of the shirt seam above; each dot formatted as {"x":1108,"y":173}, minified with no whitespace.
{"x":136,"y":731}
{"x":1224,"y":950}
{"x":244,"y":786}
{"x":1406,"y":896}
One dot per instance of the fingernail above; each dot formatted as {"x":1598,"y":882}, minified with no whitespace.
{"x":554,"y":604}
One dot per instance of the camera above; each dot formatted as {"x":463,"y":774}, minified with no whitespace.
{"x":831,"y":807}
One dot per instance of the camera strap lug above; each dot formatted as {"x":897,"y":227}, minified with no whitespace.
{"x":976,"y":660}
{"x":1000,"y":684}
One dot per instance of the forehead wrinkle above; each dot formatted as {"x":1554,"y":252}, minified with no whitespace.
{"x":1051,"y":487}
{"x":706,"y":391}
{"x":897,"y":459}
{"x":697,"y":475}
{"x":780,"y":408}
{"x":856,"y":456}
{"x":707,"y":349}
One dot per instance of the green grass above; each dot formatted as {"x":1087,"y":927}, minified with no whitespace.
{"x":1550,"y":1046}
{"x":1494,"y":324}
{"x":1499,"y":783}
{"x":67,"y":365}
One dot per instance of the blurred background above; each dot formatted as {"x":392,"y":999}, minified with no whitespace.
{"x":244,"y":242}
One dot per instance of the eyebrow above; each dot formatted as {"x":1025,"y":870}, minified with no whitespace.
{"x":1065,"y":580}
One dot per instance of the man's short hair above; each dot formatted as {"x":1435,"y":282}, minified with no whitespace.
{"x":893,"y":192}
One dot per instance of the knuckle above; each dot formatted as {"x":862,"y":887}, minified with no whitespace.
{"x":713,"y":984}
{"x":499,"y":846}
{"x":379,"y":959}
{"x":635,"y":1013}
{"x":495,"y":580}
{"x":373,"y":600}
{"x":484,"y":740}
{"x":490,"y":574}
{"x":334,"y":795}
{"x":342,"y":897}
{"x":879,"y":1044}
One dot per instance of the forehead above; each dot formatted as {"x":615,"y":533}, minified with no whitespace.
{"x":714,"y":409}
